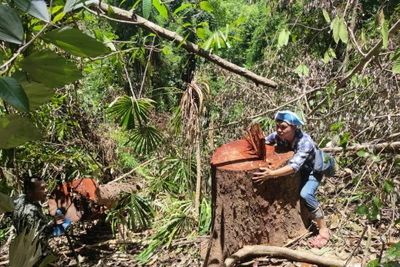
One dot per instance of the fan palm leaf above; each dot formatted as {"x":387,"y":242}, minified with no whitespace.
{"x":129,"y":111}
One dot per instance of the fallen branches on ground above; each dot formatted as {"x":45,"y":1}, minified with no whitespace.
{"x":303,"y":256}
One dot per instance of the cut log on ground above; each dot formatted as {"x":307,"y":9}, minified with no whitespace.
{"x":301,"y":256}
{"x":245,"y":213}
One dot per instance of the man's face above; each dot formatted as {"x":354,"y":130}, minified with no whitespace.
{"x":285,"y":130}
{"x":40,"y":192}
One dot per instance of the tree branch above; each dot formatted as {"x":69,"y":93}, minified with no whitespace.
{"x":130,"y":17}
{"x":304,"y":256}
{"x":374,"y":51}
{"x":381,"y":146}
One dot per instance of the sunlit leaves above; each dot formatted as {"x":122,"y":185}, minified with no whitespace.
{"x":283,"y":38}
{"x":75,"y":4}
{"x":146,"y":7}
{"x":11,"y":29}
{"x":161,"y":8}
{"x":339,"y":28}
{"x":182,"y":7}
{"x":26,"y":242}
{"x":16,"y":130}
{"x":36,"y":8}
{"x":330,"y":53}
{"x":50,"y":69}
{"x":129,"y":111}
{"x":12,"y":92}
{"x":326,"y":16}
{"x":205,"y":5}
{"x":75,"y":42}
{"x":302,"y":70}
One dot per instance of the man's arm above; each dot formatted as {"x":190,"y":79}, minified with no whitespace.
{"x":266,"y":173}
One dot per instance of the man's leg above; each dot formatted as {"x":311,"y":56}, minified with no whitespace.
{"x":308,"y":194}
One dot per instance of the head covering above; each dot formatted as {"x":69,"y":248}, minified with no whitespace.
{"x":289,"y":117}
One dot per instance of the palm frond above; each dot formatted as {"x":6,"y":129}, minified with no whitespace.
{"x":24,"y":250}
{"x":145,"y":139}
{"x":129,"y":111}
{"x":131,"y":210}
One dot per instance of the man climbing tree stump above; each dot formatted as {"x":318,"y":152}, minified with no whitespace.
{"x":246,"y":213}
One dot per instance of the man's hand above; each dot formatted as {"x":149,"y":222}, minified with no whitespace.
{"x":263,"y":175}
{"x":59,"y":219}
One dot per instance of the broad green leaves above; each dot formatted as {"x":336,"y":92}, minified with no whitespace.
{"x":326,"y":16}
{"x":205,"y":5}
{"x":330,"y":53}
{"x":75,"y":4}
{"x":339,"y":28}
{"x":302,"y":70}
{"x":75,"y":42}
{"x":6,"y":204}
{"x":146,"y":7}
{"x":16,"y":130}
{"x":283,"y":38}
{"x":12,"y":92}
{"x":36,"y":8}
{"x":11,"y":29}
{"x":50,"y":69}
{"x":396,"y":62}
{"x":37,"y":93}
{"x":161,"y":8}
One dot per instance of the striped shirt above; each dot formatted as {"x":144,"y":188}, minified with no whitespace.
{"x":303,"y":147}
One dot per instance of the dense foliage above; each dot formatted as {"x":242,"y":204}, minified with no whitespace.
{"x":86,"y":93}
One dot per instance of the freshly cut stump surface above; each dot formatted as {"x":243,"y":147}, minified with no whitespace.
{"x":245,"y":213}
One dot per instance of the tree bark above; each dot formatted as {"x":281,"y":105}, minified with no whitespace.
{"x":130,"y":17}
{"x":245,"y":213}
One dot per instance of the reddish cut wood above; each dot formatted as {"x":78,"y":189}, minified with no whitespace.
{"x":245,"y":213}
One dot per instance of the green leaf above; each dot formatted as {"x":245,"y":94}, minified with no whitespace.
{"x":12,"y":92}
{"x":161,"y":8}
{"x":146,"y":7}
{"x":16,"y":130}
{"x":283,"y":38}
{"x":378,"y":203}
{"x":326,"y":16}
{"x":376,"y":158}
{"x":6,"y":204}
{"x":362,"y":153}
{"x":396,"y":67}
{"x":362,"y":209}
{"x":11,"y":29}
{"x":37,"y":93}
{"x":146,"y":139}
{"x":335,"y":27}
{"x":75,"y":4}
{"x":50,"y":69}
{"x":182,"y":7}
{"x":36,"y":8}
{"x":343,"y":33}
{"x":205,"y":5}
{"x":384,"y":32}
{"x":326,"y":57}
{"x":75,"y":42}
{"x":302,"y":70}
{"x":200,"y":32}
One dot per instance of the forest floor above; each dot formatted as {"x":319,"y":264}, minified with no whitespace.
{"x":352,"y":238}
{"x":359,"y":240}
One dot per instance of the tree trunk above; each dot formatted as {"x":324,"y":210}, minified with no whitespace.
{"x":245,"y":213}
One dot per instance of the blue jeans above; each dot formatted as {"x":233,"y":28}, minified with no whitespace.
{"x":310,"y":183}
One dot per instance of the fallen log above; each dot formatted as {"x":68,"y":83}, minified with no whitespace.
{"x":273,"y":251}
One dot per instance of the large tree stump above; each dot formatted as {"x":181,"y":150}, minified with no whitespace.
{"x":245,"y":213}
